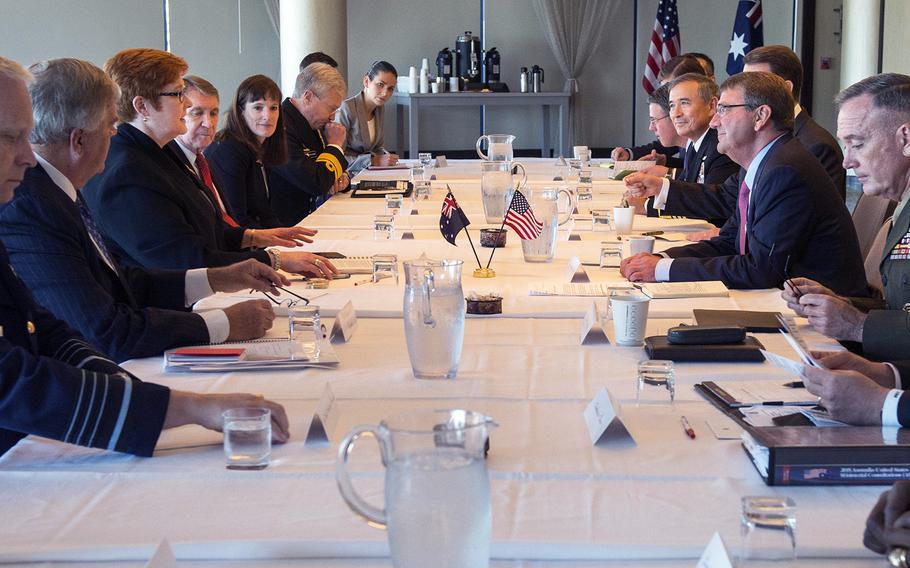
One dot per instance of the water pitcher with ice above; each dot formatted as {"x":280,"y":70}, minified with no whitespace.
{"x":434,"y":317}
{"x":497,"y":184}
{"x":499,"y":147}
{"x":545,"y":205}
{"x":437,"y":492}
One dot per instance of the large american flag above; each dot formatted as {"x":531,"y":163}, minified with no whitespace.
{"x":664,"y":43}
{"x":521,"y":219}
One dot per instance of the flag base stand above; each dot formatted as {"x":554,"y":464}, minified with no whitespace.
{"x":484,"y":273}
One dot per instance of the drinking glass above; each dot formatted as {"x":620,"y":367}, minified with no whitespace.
{"x":393,"y":203}
{"x":610,"y":254}
{"x":602,"y":219}
{"x":425,"y":159}
{"x":385,"y":266}
{"x":768,"y":528}
{"x":247,"y":437}
{"x":304,"y":324}
{"x":383,"y":227}
{"x":656,"y":381}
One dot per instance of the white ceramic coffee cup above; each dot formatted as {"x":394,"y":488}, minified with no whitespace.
{"x":623,"y":217}
{"x":630,"y":317}
{"x":636,"y":244}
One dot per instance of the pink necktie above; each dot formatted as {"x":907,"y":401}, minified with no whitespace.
{"x":743,"y":212}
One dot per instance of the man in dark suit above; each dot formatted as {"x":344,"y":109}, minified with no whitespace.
{"x":873,"y":121}
{"x":52,"y":383}
{"x":693,"y":99}
{"x":128,"y":312}
{"x":789,"y":219}
{"x":316,"y":166}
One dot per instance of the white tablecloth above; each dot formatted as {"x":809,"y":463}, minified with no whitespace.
{"x":557,"y":500}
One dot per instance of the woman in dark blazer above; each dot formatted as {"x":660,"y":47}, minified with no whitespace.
{"x":149,"y":204}
{"x":362,"y":115}
{"x":242,"y":153}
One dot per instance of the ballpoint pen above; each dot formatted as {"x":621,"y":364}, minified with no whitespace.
{"x":687,"y":427}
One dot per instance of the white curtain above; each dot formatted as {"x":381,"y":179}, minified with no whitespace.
{"x":573,"y":29}
{"x":271,"y":7}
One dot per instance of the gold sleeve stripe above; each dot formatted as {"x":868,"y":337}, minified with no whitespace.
{"x":331,"y":163}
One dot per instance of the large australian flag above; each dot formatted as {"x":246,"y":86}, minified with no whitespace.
{"x":452,"y":219}
{"x":747,"y":34}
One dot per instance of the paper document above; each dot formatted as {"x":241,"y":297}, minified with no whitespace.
{"x":272,"y":355}
{"x":588,"y":289}
{"x":664,"y":290}
{"x":750,"y":393}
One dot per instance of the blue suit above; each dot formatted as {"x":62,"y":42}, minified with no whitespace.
{"x":154,"y":211}
{"x":796,"y":221}
{"x":130,"y":312}
{"x":53,"y":384}
{"x":244,"y":181}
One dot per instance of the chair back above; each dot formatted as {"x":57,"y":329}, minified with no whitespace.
{"x":874,"y":257}
{"x":868,"y":215}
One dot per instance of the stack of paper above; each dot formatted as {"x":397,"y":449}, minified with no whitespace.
{"x":261,"y":356}
{"x":570,"y":289}
{"x":665,"y":290}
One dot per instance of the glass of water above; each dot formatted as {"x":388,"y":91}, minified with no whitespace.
{"x":385,"y":266}
{"x":768,"y":528}
{"x":610,"y":254}
{"x":602,"y":219}
{"x":584,"y":192}
{"x":656,"y":381}
{"x":247,"y":437}
{"x":383,"y":227}
{"x":425,"y":159}
{"x":393,"y":202}
{"x":304,"y":325}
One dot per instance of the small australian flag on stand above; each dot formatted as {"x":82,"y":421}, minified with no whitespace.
{"x":452,"y":220}
{"x":747,"y":34}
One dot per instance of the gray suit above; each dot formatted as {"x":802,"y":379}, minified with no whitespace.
{"x":886,"y":333}
{"x":353,"y":115}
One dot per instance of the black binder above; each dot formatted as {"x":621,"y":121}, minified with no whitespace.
{"x":852,"y":455}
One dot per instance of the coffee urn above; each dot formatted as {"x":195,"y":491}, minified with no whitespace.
{"x":491,"y":61}
{"x":467,"y":58}
{"x":536,"y":79}
{"x":444,"y":64}
{"x":523,"y":80}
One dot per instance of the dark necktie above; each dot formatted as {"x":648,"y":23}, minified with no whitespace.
{"x":93,"y":231}
{"x":689,"y":162}
{"x":743,"y":202}
{"x":203,"y":165}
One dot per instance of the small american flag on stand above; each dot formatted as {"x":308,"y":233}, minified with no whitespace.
{"x":452,"y":219}
{"x":665,"y":42}
{"x":521,"y":219}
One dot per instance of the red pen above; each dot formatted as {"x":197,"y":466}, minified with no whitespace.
{"x":687,"y":427}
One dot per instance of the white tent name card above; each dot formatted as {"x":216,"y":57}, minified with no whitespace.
{"x":602,"y":416}
{"x":592,"y":327}
{"x":345,"y":324}
{"x":715,"y":554}
{"x":163,"y":557}
{"x":575,"y":272}
{"x":323,"y":419}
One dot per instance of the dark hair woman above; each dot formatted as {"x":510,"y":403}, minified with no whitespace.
{"x":362,"y":115}
{"x":252,"y":140}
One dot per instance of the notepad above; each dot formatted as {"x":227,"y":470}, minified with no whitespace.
{"x":272,"y":355}
{"x":666,"y":290}
{"x":588,"y":289}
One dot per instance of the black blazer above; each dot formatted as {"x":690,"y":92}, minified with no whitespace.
{"x":796,"y":221}
{"x":154,"y":211}
{"x":130,"y":312}
{"x":717,"y":168}
{"x":301,"y":184}
{"x":824,"y":147}
{"x":53,"y":384}
{"x":244,"y":181}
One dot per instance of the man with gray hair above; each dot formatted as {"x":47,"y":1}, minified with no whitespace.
{"x":873,"y":123}
{"x":52,"y":382}
{"x":55,"y":248}
{"x":316,"y":166}
{"x":789,"y":218}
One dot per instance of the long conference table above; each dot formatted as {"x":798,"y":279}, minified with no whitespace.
{"x":558,"y":500}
